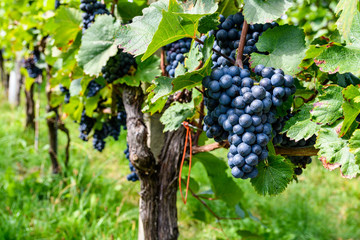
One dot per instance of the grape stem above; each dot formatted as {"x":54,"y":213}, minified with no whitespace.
{"x":113,"y":6}
{"x":219,"y":53}
{"x":162,"y":63}
{"x":240,"y":49}
{"x":300,"y":151}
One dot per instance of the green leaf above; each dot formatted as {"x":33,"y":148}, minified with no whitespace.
{"x":228,"y":7}
{"x":224,"y":186}
{"x":75,"y":87}
{"x":347,"y":79}
{"x":260,"y":11}
{"x":173,"y":26}
{"x":146,"y":72}
{"x":327,"y":106}
{"x":286,"y":47}
{"x":91,"y":104}
{"x":193,"y":59}
{"x":351,"y":107}
{"x":274,"y":176}
{"x":135,"y":37}
{"x":206,"y":49}
{"x":339,"y":59}
{"x":208,"y":23}
{"x":348,"y":9}
{"x":67,"y":26}
{"x":300,"y":126}
{"x":161,"y":88}
{"x":98,"y":44}
{"x":354,"y":145}
{"x":335,"y":150}
{"x":180,"y":70}
{"x":176,"y":114}
{"x":128,"y":10}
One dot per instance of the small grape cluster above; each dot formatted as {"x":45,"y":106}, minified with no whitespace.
{"x":118,"y":66}
{"x":57,"y":4}
{"x":242,"y":111}
{"x":86,"y":124}
{"x":91,"y":8}
{"x":175,"y":54}
{"x":93,"y":88}
{"x":227,"y":38}
{"x":66,"y":92}
{"x":31,"y":68}
{"x":133,"y":175}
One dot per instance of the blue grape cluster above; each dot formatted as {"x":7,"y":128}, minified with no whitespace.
{"x":65,"y":91}
{"x":91,"y":8}
{"x":57,"y":4}
{"x":227,"y":38}
{"x":133,"y":177}
{"x":86,"y":125}
{"x":31,"y":68}
{"x":118,"y":66}
{"x":175,"y":54}
{"x":93,"y":88}
{"x":243,"y":111}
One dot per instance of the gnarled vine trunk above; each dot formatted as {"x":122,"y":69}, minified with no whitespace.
{"x":30,"y":108}
{"x":158,"y":178}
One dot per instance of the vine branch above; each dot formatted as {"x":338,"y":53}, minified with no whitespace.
{"x":162,"y":63}
{"x":240,"y":49}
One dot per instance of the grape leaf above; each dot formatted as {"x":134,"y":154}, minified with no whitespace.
{"x":348,"y":9}
{"x":128,"y":10}
{"x":351,"y":107}
{"x":161,"y":88}
{"x":208,"y":22}
{"x":327,"y":106}
{"x":274,"y":175}
{"x":300,"y":126}
{"x":259,"y":11}
{"x":135,"y":37}
{"x":193,"y":59}
{"x":347,"y":79}
{"x":286,"y":47}
{"x":176,"y":114}
{"x":354,"y":145}
{"x":333,"y":149}
{"x":228,"y":7}
{"x":67,"y":26}
{"x":224,"y":186}
{"x":91,"y":104}
{"x":146,"y":71}
{"x":175,"y":26}
{"x":75,"y":87}
{"x":98,"y":44}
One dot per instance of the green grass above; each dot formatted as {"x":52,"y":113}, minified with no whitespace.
{"x":93,"y":200}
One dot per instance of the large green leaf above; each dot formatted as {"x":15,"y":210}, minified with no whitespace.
{"x":128,"y":10}
{"x":274,"y":176}
{"x":228,"y":7}
{"x":343,"y":59}
{"x":347,"y":8}
{"x":327,"y":106}
{"x":67,"y":26}
{"x":354,"y":144}
{"x":286,"y":47}
{"x":260,"y":11}
{"x":175,"y":26}
{"x":176,"y":114}
{"x":300,"y":126}
{"x":223,"y":186}
{"x":351,"y":107}
{"x":98,"y":44}
{"x":135,"y":37}
{"x":335,"y":150}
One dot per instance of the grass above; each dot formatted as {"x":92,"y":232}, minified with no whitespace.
{"x":93,"y":200}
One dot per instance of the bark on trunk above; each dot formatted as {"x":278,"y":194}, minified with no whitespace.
{"x":3,"y":75}
{"x":170,"y":163}
{"x":30,"y":108}
{"x":52,"y":128}
{"x":143,"y":160}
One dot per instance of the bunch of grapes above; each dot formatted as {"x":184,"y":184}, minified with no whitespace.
{"x":93,"y":88}
{"x":91,"y":8}
{"x":66,"y":92}
{"x":99,"y":137}
{"x":57,"y":4}
{"x":227,"y":38}
{"x":243,"y":111}
{"x":175,"y":54}
{"x":86,"y":125}
{"x":133,"y":175}
{"x":118,"y":66}
{"x":31,"y":68}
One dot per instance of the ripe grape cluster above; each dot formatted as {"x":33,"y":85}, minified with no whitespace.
{"x":243,"y":111}
{"x":66,"y":92}
{"x":57,"y":4}
{"x":31,"y":68}
{"x":93,"y":88}
{"x":91,"y":8}
{"x":227,"y":38}
{"x":86,"y":125}
{"x":175,"y":54}
{"x":133,"y":175}
{"x":118,"y":66}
